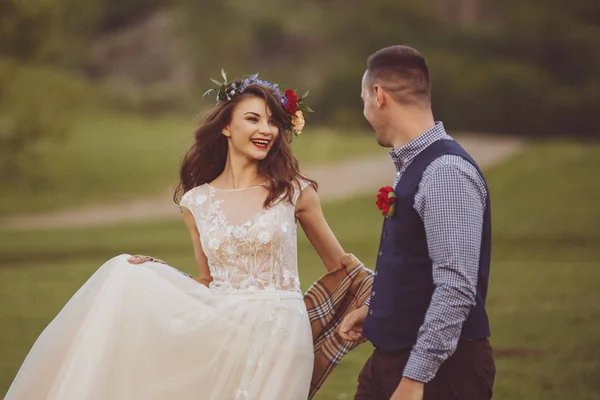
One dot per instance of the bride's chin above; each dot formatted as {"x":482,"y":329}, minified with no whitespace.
{"x":258,"y":159}
{"x":251,"y":155}
{"x":259,"y":155}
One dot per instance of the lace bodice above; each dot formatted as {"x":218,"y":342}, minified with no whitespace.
{"x":249,"y":248}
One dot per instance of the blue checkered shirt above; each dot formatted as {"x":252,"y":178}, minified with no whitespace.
{"x":451,"y":201}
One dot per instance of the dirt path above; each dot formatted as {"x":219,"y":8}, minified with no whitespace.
{"x":346,"y":179}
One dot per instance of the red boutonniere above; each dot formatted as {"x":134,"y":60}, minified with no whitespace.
{"x":386,"y":201}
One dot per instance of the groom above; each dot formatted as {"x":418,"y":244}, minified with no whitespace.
{"x":426,"y":315}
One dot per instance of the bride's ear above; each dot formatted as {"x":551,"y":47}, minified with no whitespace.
{"x":226,"y":132}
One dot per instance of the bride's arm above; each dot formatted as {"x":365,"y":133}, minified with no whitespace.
{"x":205,"y":278}
{"x":311,"y":218}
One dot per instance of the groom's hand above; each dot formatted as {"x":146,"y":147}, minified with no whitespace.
{"x":409,"y":390}
{"x":351,"y":327}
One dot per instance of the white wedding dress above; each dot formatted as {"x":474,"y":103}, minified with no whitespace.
{"x":141,"y":332}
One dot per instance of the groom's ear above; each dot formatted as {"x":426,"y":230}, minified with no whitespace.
{"x":379,"y":95}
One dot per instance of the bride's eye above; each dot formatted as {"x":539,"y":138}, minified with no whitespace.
{"x":252,"y":119}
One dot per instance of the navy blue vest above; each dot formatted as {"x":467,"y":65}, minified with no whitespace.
{"x":403,"y":284}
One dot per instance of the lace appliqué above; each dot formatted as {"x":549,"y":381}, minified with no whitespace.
{"x":257,"y":254}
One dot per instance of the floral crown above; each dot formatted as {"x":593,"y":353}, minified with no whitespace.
{"x":290,"y":101}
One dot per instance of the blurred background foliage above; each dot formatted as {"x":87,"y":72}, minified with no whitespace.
{"x":527,"y":67}
{"x":97,"y":105}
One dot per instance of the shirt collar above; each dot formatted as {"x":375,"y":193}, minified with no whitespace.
{"x":404,"y":155}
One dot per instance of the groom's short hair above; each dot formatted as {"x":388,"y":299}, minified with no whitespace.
{"x":402,"y":72}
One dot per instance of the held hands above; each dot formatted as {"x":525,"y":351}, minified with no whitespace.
{"x":352,"y":324}
{"x":409,"y":389}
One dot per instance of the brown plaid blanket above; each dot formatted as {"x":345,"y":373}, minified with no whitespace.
{"x":328,"y":301}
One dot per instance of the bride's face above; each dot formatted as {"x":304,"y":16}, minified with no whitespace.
{"x":252,"y":132}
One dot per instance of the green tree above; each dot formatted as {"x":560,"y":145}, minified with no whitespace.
{"x":34,"y":103}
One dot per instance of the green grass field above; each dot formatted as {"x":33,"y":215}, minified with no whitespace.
{"x":111,"y":157}
{"x":544,"y":299}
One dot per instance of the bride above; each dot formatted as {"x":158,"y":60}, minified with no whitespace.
{"x":140,"y":329}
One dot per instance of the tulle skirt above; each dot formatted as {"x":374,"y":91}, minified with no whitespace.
{"x":149,"y":332}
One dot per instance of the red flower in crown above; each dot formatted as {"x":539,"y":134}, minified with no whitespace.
{"x":386,"y":201}
{"x":292,"y":102}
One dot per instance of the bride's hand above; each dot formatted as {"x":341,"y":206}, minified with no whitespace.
{"x":203,"y":281}
{"x":140,"y":259}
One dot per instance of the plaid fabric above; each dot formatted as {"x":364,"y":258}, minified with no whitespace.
{"x":328,"y":301}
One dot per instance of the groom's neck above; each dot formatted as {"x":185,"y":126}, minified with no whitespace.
{"x":408,"y":124}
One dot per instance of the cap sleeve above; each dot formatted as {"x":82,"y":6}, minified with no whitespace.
{"x":300,"y":185}
{"x":187,"y":199}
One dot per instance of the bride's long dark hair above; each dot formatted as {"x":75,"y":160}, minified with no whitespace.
{"x":205,"y":160}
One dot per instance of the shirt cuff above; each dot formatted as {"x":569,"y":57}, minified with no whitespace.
{"x":421,"y":368}
{"x":367,"y":302}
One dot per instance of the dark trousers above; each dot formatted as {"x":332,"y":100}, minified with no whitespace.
{"x":466,"y":375}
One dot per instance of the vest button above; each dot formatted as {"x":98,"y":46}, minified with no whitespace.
{"x":373,"y":294}
{"x":371,"y":312}
{"x":384,"y":234}
{"x":380,"y":253}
